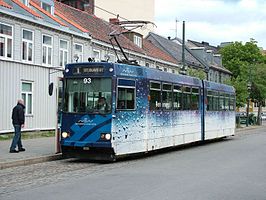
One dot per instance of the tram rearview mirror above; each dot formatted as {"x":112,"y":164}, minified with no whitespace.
{"x":51,"y":88}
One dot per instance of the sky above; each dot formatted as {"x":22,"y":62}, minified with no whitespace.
{"x":213,"y":21}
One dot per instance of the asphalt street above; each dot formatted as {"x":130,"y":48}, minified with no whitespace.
{"x":233,"y":168}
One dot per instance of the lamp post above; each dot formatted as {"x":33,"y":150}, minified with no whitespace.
{"x":248,"y":99}
{"x":249,"y":89}
{"x":183,"y":69}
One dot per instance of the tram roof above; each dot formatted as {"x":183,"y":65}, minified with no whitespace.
{"x":219,"y":87}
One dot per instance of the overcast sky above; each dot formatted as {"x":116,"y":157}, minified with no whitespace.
{"x":213,"y":21}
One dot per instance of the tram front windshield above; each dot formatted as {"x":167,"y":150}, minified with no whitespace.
{"x":88,"y":95}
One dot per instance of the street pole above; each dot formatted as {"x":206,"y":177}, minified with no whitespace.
{"x":183,"y":69}
{"x":249,"y":89}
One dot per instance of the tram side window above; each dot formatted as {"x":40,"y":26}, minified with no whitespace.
{"x":177,"y":97}
{"x":195,"y":99}
{"x":167,"y":97}
{"x":213,"y":101}
{"x":126,"y":94}
{"x":221,"y":102}
{"x":210,"y":101}
{"x":155,"y":96}
{"x":226,"y":102}
{"x":186,"y":98}
{"x":232,"y":103}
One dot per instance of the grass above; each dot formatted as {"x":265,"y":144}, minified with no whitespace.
{"x":29,"y":135}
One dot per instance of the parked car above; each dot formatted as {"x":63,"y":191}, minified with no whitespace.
{"x":263,"y":116}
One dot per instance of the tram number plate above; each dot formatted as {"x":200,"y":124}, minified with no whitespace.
{"x":86,"y":148}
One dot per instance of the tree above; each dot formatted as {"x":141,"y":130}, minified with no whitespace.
{"x":258,"y":87}
{"x":196,"y":73}
{"x":242,"y":60}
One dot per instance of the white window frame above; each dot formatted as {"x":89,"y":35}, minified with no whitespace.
{"x":78,"y":54}
{"x":147,"y":64}
{"x":112,"y":58}
{"x":6,"y":37}
{"x":27,"y":97}
{"x":99,"y":55}
{"x":52,"y":7}
{"x":25,"y":2}
{"x":65,"y":60}
{"x":27,"y":46}
{"x":47,"y":46}
{"x":138,"y":41}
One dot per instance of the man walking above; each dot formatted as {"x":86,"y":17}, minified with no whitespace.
{"x":18,"y":120}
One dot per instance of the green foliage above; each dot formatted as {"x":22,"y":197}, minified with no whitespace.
{"x":243,"y":61}
{"x":258,"y":77}
{"x":196,"y":73}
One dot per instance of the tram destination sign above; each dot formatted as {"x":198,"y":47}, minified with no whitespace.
{"x":88,"y":70}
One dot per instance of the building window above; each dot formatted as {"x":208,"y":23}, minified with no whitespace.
{"x":26,"y":95}
{"x":111,"y":58}
{"x":6,"y":40}
{"x":78,"y":52}
{"x":147,"y":64}
{"x":63,"y":53}
{"x":25,"y":2}
{"x":138,"y":41}
{"x":165,"y":69}
{"x":173,"y":71}
{"x":96,"y":55}
{"x":159,"y":68}
{"x":47,"y":47}
{"x":27,"y":45}
{"x":47,"y":7}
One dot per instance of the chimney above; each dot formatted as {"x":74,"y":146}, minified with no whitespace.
{"x":89,"y":6}
{"x":114,"y":21}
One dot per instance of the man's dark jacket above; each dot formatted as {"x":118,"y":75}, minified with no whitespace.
{"x":18,"y":115}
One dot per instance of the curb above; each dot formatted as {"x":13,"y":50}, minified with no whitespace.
{"x":30,"y":161}
{"x":249,"y":128}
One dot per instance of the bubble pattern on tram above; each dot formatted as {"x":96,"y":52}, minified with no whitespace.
{"x":142,"y":110}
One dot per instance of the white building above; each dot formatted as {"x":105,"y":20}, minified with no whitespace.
{"x":37,"y":38}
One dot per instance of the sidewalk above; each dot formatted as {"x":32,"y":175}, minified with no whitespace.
{"x":37,"y":150}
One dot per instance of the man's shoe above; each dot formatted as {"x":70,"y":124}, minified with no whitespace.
{"x":13,"y":151}
{"x":21,"y":149}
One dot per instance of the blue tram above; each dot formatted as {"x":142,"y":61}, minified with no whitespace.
{"x":112,"y":110}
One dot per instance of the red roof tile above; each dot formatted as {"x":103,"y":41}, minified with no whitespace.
{"x":35,"y":5}
{"x":155,"y":52}
{"x":100,"y":30}
{"x":4,"y":4}
{"x":27,"y":8}
{"x":70,"y":22}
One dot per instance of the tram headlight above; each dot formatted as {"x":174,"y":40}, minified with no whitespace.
{"x":107,"y":136}
{"x":65,"y":135}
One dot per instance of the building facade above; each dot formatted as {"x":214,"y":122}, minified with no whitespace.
{"x":38,"y":37}
{"x":199,"y":58}
{"x":124,"y":10}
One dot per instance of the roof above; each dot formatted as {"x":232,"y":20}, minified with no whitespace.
{"x":82,"y":22}
{"x":4,"y":4}
{"x":100,"y":30}
{"x":174,"y":49}
{"x":204,"y":44}
{"x":27,"y":8}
